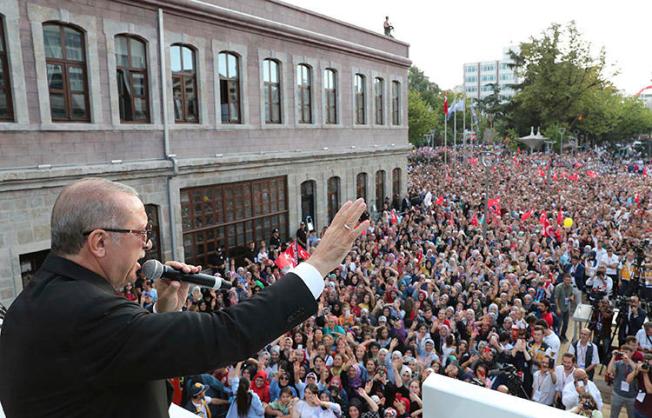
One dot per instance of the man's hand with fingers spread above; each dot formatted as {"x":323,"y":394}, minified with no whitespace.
{"x":339,"y":237}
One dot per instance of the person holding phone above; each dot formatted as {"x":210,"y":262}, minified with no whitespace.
{"x":580,"y":385}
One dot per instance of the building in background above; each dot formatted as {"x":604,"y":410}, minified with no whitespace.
{"x":646,"y":96}
{"x":480,"y":77}
{"x":229,"y":118}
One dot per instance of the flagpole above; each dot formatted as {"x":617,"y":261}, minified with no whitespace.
{"x":455,"y":126}
{"x":464,"y":120}
{"x":445,"y":138}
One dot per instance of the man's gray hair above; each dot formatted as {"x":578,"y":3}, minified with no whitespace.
{"x":82,"y":206}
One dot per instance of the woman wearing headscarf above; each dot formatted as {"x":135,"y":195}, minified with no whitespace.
{"x":260,"y":386}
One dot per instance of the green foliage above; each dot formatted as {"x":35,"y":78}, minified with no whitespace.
{"x":428,"y":90}
{"x":565,"y":85}
{"x":421,"y":118}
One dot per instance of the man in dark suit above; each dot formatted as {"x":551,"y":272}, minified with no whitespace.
{"x":94,"y":353}
{"x":632,"y":321}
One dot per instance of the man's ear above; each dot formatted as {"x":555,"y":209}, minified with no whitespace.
{"x":96,"y":243}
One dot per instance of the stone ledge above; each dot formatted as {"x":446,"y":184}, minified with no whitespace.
{"x":56,"y":176}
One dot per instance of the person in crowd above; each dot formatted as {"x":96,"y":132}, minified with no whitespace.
{"x":247,"y":403}
{"x":544,"y":383}
{"x":579,"y":386}
{"x":643,"y":376}
{"x":587,"y":407}
{"x":314,"y":407}
{"x":623,"y":393}
{"x":199,"y":403}
{"x":564,"y":299}
{"x":632,"y":322}
{"x":585,"y":352}
{"x":282,"y":406}
{"x":644,"y":337}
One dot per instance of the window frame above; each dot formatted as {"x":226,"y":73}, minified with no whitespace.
{"x":66,"y":64}
{"x":396,"y":103}
{"x":330,"y":96}
{"x":361,"y":186}
{"x":267,"y":92}
{"x":144,"y":71}
{"x":396,"y":181}
{"x":228,"y":81}
{"x":183,"y":76}
{"x":379,"y":100}
{"x":380,"y":184}
{"x":333,"y":197}
{"x":304,"y":108}
{"x":6,"y":71}
{"x":360,"y":105}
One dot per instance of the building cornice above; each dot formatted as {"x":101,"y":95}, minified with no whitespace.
{"x":58,"y":176}
{"x":232,"y":18}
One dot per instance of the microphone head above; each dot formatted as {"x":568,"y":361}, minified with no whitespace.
{"x":152,"y":269}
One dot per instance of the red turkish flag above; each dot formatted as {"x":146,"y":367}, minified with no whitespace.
{"x":473,"y":161}
{"x":573,"y":177}
{"x":592,"y":174}
{"x":303,"y":254}
{"x":474,"y":219}
{"x":526,"y":215}
{"x":284,"y":261}
{"x":446,"y":105}
{"x":440,"y":200}
{"x":541,"y":173}
{"x":560,"y":217}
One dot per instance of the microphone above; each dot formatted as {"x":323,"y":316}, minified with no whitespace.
{"x":153,"y":269}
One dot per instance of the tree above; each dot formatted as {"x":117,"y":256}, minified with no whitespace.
{"x":421,"y":117}
{"x":559,"y":76}
{"x":429,"y":91}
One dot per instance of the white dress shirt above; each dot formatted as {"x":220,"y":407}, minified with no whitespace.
{"x":581,"y":354}
{"x":311,"y":277}
{"x":570,"y":398}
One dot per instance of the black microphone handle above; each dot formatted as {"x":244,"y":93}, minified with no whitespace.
{"x":195,"y":278}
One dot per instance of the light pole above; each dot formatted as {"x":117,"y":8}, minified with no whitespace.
{"x":561,"y":142}
{"x":488,"y":159}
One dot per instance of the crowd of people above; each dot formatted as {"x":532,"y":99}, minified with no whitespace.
{"x":424,"y":291}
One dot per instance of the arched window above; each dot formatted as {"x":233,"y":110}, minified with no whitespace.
{"x":330,"y":94}
{"x":304,"y":93}
{"x":333,"y":195}
{"x":361,"y":186}
{"x":229,"y":71}
{"x":396,"y":182}
{"x":65,"y":59}
{"x":272,"y":91}
{"x":152,"y":215}
{"x":380,"y":189}
{"x":131,"y":68}
{"x":360,"y":92}
{"x":379,"y":87}
{"x":184,"y":83}
{"x":396,"y":96}
{"x":6,"y":104}
{"x":308,"y":195}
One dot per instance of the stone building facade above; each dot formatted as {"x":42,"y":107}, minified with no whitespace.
{"x":229,"y":118}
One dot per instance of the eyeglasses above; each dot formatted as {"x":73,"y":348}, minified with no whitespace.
{"x":145,"y":234}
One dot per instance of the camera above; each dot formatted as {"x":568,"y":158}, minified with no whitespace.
{"x":587,"y":404}
{"x":645,"y":367}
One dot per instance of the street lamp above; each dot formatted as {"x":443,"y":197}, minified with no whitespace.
{"x":561,"y":142}
{"x":488,"y":160}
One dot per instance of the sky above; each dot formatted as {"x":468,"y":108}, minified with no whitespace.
{"x":443,"y":35}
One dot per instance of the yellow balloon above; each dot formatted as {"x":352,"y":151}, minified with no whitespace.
{"x":568,"y":222}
